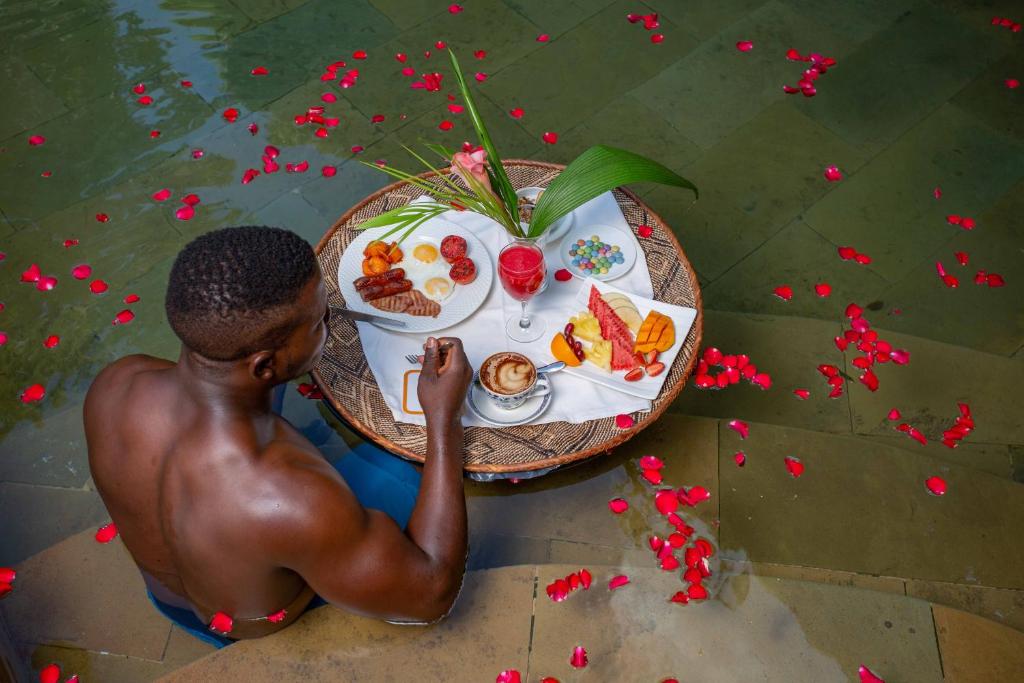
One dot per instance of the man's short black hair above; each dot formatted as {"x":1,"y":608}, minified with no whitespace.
{"x":232,"y":291}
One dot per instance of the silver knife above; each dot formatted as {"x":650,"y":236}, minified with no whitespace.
{"x":366,"y":317}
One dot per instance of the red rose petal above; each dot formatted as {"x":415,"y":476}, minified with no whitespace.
{"x":509,"y":675}
{"x":36,"y":140}
{"x":961,"y":257}
{"x":1012,"y":83}
{"x":445,"y":125}
{"x":847,"y":253}
{"x":102,"y":218}
{"x":3,"y":338}
{"x":359,"y":54}
{"x":190,"y":199}
{"x":185,"y":213}
{"x":624,"y":421}
{"x":251,"y":173}
{"x":644,"y":231}
{"x":784,"y":292}
{"x":328,"y":171}
{"x":221,"y":623}
{"x":49,"y":674}
{"x":401,"y":57}
{"x":618,"y":505}
{"x":230,"y":114}
{"x":967,"y":223}
{"x":862,"y":259}
{"x":823,"y":289}
{"x":794,"y":466}
{"x":658,"y":38}
{"x":740,"y":427}
{"x":139,"y":88}
{"x":937,"y":193}
{"x":480,"y":76}
{"x":894,"y":414}
{"x":123,"y":318}
{"x":543,"y":38}
{"x":454,"y":8}
{"x":618,"y":582}
{"x":98,"y":286}
{"x":161,"y":195}
{"x":550,"y":138}
{"x":145,"y":100}
{"x":740,"y":458}
{"x":106,"y":533}
{"x":653,"y":476}
{"x":185,"y":84}
{"x":31,"y":274}
{"x":563,"y":275}
{"x":802,"y":394}
{"x":46,"y":283}
{"x":456,"y":108}
{"x":516,"y":113}
{"x":277,"y":617}
{"x":131,"y":298}
{"x":328,"y":97}
{"x":260,"y":71}
{"x":833,"y":174}
{"x":794,"y":56}
{"x":745,"y":45}
{"x":697,"y":592}
{"x":33,"y":393}
{"x":7,"y":575}
{"x":936,"y":486}
{"x":578,"y":660}
{"x":197,"y":154}
{"x":995,"y":280}
{"x":868,"y":676}
{"x":80,"y":272}
{"x":666,"y":501}
{"x":585,"y":579}
{"x":154,"y":134}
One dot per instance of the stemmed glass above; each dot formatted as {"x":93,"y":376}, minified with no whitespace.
{"x":521,"y":269}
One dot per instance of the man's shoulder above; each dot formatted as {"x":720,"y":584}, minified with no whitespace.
{"x":113,"y":381}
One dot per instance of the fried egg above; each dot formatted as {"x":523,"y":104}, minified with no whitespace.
{"x":427,"y":271}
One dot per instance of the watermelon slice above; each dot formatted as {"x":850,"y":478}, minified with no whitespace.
{"x":614,"y":330}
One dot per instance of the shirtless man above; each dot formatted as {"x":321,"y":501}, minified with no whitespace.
{"x":227,"y":509}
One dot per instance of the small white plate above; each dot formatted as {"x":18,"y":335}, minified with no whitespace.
{"x":647,"y":387}
{"x":462,"y":303}
{"x":483,"y":407}
{"x":609,"y":234}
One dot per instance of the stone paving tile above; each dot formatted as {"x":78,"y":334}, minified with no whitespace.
{"x":262,"y":10}
{"x":788,"y":349}
{"x":991,"y":458}
{"x":706,"y":18}
{"x":406,"y":14}
{"x":92,"y":665}
{"x":45,"y":515}
{"x":293,"y":212}
{"x":744,"y":83}
{"x":589,"y":554}
{"x":792,"y":153}
{"x":49,"y":453}
{"x":870,"y":104}
{"x":979,"y":13}
{"x":800,"y":258}
{"x":712,"y":231}
{"x":976,"y":649}
{"x":616,"y":126}
{"x":36,"y":102}
{"x":887,"y":209}
{"x":989,"y":99}
{"x":775,"y":629}
{"x":929,"y":387}
{"x":488,"y":551}
{"x":854,"y":22}
{"x":998,"y":604}
{"x":901,"y":529}
{"x":83,"y":594}
{"x":978,"y":317}
{"x":833,"y":577}
{"x":33,"y":23}
{"x":572,"y":505}
{"x":487,"y":632}
{"x":1017,"y":460}
{"x":557,"y":18}
{"x":184,"y":648}
{"x":576,"y":70}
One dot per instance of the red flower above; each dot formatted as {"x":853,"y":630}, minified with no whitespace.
{"x":549,"y":137}
{"x":106,"y":533}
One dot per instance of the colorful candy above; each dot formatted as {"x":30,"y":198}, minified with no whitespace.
{"x":594,"y":257}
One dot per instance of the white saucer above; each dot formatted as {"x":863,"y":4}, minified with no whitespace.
{"x":608,"y":234}
{"x":481,"y":406}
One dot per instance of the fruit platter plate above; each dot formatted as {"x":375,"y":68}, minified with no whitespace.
{"x":621,"y":340}
{"x":435,"y":278}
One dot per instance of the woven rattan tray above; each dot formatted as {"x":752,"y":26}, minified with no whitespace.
{"x":348,"y":384}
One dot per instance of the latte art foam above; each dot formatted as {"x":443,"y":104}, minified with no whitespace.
{"x":508,"y":373}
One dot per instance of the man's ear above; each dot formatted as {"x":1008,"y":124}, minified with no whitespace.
{"x":261,"y":366}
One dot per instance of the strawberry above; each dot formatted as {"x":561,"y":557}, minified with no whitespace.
{"x":655,"y":369}
{"x":634,"y":375}
{"x":650,"y":357}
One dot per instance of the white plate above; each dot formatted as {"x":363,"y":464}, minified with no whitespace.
{"x":464,"y":300}
{"x":609,"y":235}
{"x":648,"y":387}
{"x":483,"y":407}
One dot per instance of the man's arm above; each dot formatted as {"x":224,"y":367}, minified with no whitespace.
{"x":359,"y":559}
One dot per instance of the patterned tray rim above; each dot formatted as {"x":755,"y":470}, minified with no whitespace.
{"x":644,"y":421}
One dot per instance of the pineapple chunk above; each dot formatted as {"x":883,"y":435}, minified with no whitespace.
{"x":600,"y":354}
{"x":586,"y":327}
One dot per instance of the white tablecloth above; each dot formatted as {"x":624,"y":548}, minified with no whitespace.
{"x":483,"y":333}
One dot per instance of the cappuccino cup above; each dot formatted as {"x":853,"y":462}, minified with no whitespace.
{"x":509,"y":379}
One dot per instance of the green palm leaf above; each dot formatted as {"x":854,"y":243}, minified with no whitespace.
{"x":594,"y":172}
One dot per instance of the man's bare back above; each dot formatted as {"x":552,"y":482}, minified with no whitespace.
{"x":228,"y":508}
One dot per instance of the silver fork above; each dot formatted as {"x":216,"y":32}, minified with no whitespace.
{"x":412,"y":358}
